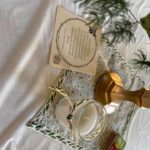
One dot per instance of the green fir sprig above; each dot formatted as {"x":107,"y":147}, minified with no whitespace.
{"x":114,"y":15}
{"x":140,"y":62}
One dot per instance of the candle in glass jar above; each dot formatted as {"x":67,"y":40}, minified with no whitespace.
{"x":87,"y":120}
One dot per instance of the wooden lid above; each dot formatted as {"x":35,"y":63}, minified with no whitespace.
{"x":109,"y":88}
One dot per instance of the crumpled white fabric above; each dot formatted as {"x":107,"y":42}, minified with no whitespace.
{"x":138,"y":135}
{"x":26,"y":29}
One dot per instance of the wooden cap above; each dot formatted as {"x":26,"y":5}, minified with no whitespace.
{"x":109,"y":88}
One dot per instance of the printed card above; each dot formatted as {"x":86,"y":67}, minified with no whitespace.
{"x":74,"y":44}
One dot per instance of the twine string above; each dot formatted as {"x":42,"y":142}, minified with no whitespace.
{"x":69,"y":117}
{"x":64,"y":94}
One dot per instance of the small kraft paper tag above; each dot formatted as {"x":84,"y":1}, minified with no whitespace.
{"x":74,"y":44}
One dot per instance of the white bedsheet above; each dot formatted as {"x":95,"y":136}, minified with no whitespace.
{"x":26,"y":28}
{"x":138,"y":135}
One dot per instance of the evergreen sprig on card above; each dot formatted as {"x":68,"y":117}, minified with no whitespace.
{"x":114,"y":15}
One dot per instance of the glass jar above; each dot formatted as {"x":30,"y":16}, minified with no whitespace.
{"x":88,"y":119}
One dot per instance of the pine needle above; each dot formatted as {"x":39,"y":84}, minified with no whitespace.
{"x":114,"y":15}
{"x":140,"y":62}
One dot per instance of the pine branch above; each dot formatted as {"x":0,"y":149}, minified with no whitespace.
{"x":114,"y":15}
{"x":140,"y":62}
